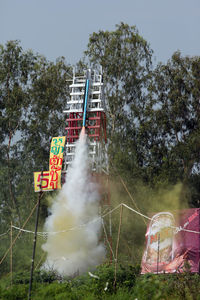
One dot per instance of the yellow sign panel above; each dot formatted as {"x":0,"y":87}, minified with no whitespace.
{"x":56,"y":152}
{"x":51,"y":180}
{"x":41,"y":181}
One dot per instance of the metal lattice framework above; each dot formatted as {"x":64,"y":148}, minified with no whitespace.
{"x":95,"y":121}
{"x":91,"y":115}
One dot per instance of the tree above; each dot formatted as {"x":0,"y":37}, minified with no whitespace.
{"x":15,"y":70}
{"x":126,"y":61}
{"x":33,"y":93}
{"x":49,"y":93}
{"x":171,"y":144}
{"x":153,"y":114}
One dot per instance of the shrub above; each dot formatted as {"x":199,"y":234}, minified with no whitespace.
{"x":16,"y":292}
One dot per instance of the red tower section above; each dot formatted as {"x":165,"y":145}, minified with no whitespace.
{"x":95,"y":124}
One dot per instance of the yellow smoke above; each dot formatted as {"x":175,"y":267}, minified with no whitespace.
{"x":146,"y":200}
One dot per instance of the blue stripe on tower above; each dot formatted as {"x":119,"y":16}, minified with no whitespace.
{"x":85,"y":102}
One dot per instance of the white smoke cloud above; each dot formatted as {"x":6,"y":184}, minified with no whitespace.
{"x":75,"y":251}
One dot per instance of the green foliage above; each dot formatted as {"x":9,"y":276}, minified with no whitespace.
{"x":126,"y":276}
{"x":54,"y":291}
{"x":126,"y":61}
{"x":130,"y":285}
{"x":173,"y":115}
{"x":39,"y":276}
{"x":153,"y":114}
{"x":170,"y":286}
{"x":19,"y":292}
{"x":33,"y":93}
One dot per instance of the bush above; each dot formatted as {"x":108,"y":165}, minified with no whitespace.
{"x":129,"y":285}
{"x":53,"y":291}
{"x":16,"y":292}
{"x":38,"y":276}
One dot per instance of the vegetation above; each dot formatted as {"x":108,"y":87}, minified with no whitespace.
{"x":130,"y":285}
{"x":153,"y":115}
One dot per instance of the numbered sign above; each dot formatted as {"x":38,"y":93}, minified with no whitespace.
{"x":51,"y":180}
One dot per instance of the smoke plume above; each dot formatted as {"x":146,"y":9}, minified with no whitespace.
{"x":76,"y":248}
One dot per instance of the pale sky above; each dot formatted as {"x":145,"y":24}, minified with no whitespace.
{"x":56,"y":28}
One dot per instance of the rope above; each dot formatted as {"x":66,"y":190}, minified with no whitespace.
{"x":107,"y":240}
{"x":41,"y":259}
{"x":44,"y":233}
{"x":27,"y":231}
{"x":2,"y":234}
{"x":122,"y":181}
{"x":117,"y":246}
{"x":111,"y":211}
{"x":137,"y":212}
{"x":177,"y":229}
{"x":183,"y":229}
{"x":6,"y":253}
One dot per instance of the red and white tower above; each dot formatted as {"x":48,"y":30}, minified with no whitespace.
{"x":94,"y":117}
{"x":86,"y":108}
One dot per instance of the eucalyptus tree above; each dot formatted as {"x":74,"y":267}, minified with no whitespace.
{"x":49,"y":93}
{"x":172,"y":114}
{"x":153,"y":114}
{"x":126,"y":61}
{"x":15,"y":69}
{"x":33,"y":93}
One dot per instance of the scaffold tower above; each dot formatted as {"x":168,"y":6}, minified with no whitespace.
{"x":87,"y":86}
{"x":87,"y":108}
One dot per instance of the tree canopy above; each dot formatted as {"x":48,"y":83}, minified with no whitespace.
{"x":33,"y":93}
{"x":153,"y":115}
{"x":152,"y":112}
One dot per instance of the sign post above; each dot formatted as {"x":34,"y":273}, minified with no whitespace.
{"x":34,"y":243}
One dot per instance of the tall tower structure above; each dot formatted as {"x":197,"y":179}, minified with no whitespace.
{"x":87,"y":108}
